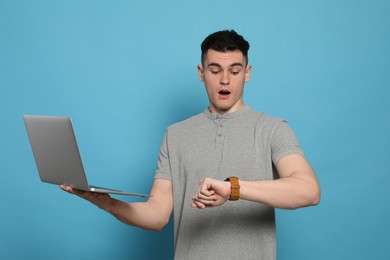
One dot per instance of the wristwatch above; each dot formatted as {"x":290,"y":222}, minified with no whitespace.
{"x":235,"y":188}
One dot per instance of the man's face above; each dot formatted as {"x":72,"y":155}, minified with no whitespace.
{"x":224,"y":75}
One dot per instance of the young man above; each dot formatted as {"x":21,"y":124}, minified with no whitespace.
{"x":231,"y":161}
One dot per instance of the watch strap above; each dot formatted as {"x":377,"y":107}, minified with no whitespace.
{"x":235,"y":188}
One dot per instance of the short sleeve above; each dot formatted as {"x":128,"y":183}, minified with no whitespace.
{"x":163,"y":166}
{"x":283,"y":141}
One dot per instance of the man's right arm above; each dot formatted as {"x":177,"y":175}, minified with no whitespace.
{"x":153,"y":214}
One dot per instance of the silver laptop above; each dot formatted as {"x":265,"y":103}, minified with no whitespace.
{"x":57,"y":155}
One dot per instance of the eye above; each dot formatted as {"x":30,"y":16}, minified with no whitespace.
{"x":215,"y":72}
{"x":235,"y":73}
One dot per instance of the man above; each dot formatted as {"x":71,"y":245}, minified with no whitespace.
{"x":231,"y":161}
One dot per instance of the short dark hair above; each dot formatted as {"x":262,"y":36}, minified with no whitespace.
{"x":225,"y":41}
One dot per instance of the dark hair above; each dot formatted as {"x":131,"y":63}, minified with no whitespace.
{"x":225,"y":41}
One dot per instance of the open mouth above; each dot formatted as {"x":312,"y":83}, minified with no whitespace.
{"x":224,"y":92}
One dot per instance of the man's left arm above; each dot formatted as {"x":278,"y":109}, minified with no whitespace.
{"x":297,"y":187}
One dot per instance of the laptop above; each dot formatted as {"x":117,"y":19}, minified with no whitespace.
{"x":56,"y":153}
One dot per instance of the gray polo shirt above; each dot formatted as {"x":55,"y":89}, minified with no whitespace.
{"x":244,"y":143}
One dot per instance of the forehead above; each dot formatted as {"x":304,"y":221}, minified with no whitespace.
{"x":224,"y":58}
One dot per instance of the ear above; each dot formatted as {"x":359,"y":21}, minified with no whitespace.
{"x":248,"y":71}
{"x":200,"y":73}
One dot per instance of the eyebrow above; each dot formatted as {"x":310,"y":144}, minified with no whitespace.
{"x":231,"y":65}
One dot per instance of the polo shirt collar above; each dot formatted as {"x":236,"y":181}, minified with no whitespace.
{"x":231,"y":115}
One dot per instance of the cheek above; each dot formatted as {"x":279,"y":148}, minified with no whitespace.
{"x":210,"y":84}
{"x":210,"y":93}
{"x":208,"y":87}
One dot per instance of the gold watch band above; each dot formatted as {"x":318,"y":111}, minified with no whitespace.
{"x":235,"y":188}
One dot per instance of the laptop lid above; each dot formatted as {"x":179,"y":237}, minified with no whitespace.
{"x":56,"y":153}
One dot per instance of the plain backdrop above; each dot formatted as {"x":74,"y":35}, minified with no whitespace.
{"x":125,"y":70}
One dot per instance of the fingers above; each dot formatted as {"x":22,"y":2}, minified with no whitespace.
{"x":202,"y":203}
{"x":91,"y":196}
{"x":210,"y":193}
{"x":204,"y":196}
{"x":197,"y":205}
{"x":71,"y":190}
{"x":102,"y":200}
{"x":204,"y":191}
{"x":66,"y":188}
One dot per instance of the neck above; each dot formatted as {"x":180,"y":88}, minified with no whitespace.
{"x":221,"y":112}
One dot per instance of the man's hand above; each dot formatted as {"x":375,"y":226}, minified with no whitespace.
{"x":99,"y":199}
{"x":152,"y":215}
{"x":211,"y":193}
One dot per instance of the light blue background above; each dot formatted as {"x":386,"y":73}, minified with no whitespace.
{"x":125,"y":70}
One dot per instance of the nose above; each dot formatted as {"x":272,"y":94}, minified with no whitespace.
{"x":224,"y":80}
